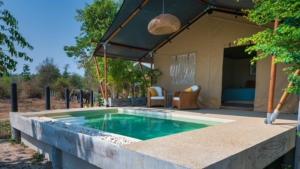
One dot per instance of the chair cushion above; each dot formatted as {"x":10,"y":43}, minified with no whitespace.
{"x":188,"y":89}
{"x":157,"y":98}
{"x":153,"y":91}
{"x":192,"y":88}
{"x":176,"y":98}
{"x":158,"y":90}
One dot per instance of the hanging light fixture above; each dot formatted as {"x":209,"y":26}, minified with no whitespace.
{"x":164,"y":23}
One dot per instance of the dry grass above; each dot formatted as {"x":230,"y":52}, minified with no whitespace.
{"x":32,"y":105}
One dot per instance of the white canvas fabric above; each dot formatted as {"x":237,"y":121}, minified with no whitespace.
{"x":157,"y":98}
{"x":176,"y":98}
{"x":158,"y":90}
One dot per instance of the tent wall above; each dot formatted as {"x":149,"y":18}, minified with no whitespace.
{"x":208,"y":37}
{"x":262,"y":88}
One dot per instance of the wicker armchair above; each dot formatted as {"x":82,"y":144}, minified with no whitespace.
{"x":157,"y":100}
{"x":187,"y":99}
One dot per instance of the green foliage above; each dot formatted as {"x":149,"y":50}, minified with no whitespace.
{"x":122,"y":75}
{"x":60,"y":85}
{"x":94,"y":19}
{"x":5,"y":82}
{"x":284,"y":43}
{"x":66,"y":72}
{"x":47,"y":73}
{"x":10,"y":42}
{"x":37,"y":157}
{"x":5,"y":129}
{"x":26,"y":73}
{"x":76,"y":81}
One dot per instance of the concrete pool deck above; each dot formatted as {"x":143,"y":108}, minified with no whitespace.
{"x":243,"y":141}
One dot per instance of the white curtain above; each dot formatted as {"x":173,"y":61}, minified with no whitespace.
{"x":183,"y":69}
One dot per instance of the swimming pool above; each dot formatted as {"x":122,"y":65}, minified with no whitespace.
{"x":138,"y":125}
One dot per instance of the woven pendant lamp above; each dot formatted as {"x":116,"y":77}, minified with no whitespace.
{"x":164,"y":24}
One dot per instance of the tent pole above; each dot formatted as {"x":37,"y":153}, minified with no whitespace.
{"x":282,"y":99}
{"x":272,"y":82}
{"x":105,"y":74}
{"x":98,"y":75}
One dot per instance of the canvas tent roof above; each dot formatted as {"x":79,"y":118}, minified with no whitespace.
{"x":128,"y":37}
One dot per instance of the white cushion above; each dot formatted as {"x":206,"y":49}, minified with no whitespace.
{"x":158,"y":90}
{"x":157,"y":98}
{"x":176,"y":98}
{"x":194,"y":88}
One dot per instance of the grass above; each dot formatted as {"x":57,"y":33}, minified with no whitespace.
{"x":37,"y":158}
{"x":5,"y":129}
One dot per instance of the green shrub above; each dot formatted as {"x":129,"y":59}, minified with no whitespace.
{"x":5,"y":82}
{"x":5,"y":129}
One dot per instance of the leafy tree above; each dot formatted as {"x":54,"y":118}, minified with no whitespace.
{"x":5,"y":82}
{"x":95,"y":19}
{"x":47,"y":73}
{"x":26,"y":73}
{"x":10,"y":40}
{"x":284,"y":43}
{"x":66,"y":72}
{"x":60,"y":85}
{"x":76,"y":81}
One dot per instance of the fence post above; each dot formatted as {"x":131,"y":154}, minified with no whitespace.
{"x":47,"y":97}
{"x":92,"y":98}
{"x":67,"y":98}
{"x":15,"y":133}
{"x":81,"y":99}
{"x":14,"y":98}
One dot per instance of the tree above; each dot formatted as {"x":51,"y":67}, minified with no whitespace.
{"x":66,"y":72}
{"x":47,"y":73}
{"x":10,"y":41}
{"x":284,"y":44}
{"x":94,"y":19}
{"x":26,"y":73}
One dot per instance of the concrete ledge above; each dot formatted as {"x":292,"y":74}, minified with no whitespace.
{"x":242,"y":142}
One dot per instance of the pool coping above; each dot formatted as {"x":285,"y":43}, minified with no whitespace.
{"x":211,"y":147}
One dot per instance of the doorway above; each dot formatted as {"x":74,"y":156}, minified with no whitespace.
{"x":238,"y":83}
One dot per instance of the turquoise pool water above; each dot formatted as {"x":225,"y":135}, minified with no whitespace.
{"x":136,"y":126}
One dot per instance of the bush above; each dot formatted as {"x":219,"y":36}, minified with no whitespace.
{"x":5,"y":129}
{"x":29,"y":90}
{"x":5,"y":82}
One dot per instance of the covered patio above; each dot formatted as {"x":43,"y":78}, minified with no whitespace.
{"x":128,"y":38}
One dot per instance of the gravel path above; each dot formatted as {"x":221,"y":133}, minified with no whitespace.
{"x":17,"y":156}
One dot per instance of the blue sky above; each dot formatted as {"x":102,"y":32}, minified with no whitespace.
{"x":48,"y":25}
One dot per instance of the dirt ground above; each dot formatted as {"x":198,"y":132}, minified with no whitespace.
{"x":32,"y":105}
{"x":18,"y":156}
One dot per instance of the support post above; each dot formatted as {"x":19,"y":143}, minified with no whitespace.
{"x":81,"y":98}
{"x":15,"y":133}
{"x":92,"y":98}
{"x":47,"y":97}
{"x":67,"y":98}
{"x":56,"y":158}
{"x":14,"y":98}
{"x":272,"y":82}
{"x":105,"y":75}
{"x":98,"y":75}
